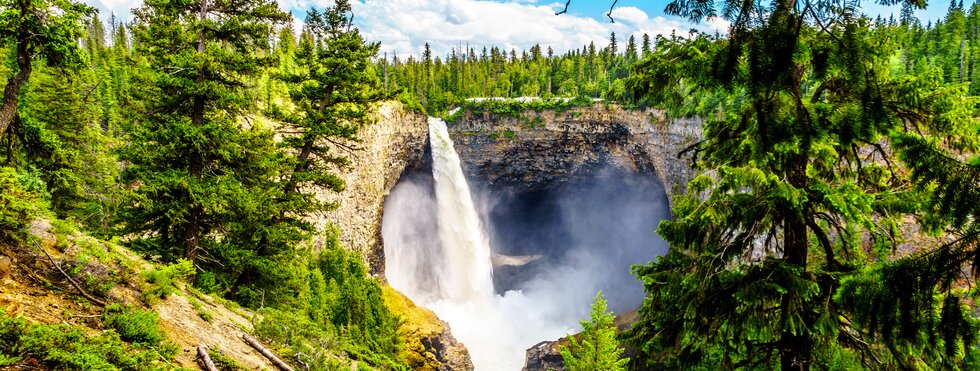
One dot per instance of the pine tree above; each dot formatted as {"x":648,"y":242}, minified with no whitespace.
{"x":595,"y":348}
{"x":772,"y":247}
{"x":332,"y":87}
{"x":197,"y":164}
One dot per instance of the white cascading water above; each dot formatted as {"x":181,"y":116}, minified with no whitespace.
{"x":455,"y":281}
{"x":468,"y":277}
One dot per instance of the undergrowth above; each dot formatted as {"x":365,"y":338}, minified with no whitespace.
{"x":27,"y":345}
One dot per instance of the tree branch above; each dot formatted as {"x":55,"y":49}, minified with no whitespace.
{"x":566,"y":8}
{"x":611,"y":20}
{"x":70,"y":279}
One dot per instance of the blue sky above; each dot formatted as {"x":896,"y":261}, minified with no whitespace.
{"x":404,"y":26}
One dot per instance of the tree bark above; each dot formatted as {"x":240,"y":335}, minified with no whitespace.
{"x":796,"y":349}
{"x":267,"y":353}
{"x":192,"y":234}
{"x":11,"y":93}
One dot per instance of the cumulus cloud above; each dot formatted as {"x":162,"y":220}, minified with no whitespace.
{"x":404,"y":26}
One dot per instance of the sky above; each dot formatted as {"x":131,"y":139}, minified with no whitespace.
{"x":404,"y":26}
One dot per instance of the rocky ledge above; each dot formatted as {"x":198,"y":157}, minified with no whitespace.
{"x":550,"y":147}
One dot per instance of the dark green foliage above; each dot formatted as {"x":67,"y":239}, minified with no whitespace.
{"x":344,"y":311}
{"x":62,"y":347}
{"x":199,"y":168}
{"x":435,"y":85}
{"x":46,"y":30}
{"x":782,"y":250}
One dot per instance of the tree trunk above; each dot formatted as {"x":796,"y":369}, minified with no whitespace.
{"x":192,"y":235}
{"x":202,"y":354}
{"x":267,"y":353}
{"x":11,"y":93}
{"x":796,"y":350}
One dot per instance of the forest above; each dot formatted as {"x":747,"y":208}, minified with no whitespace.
{"x":833,"y":223}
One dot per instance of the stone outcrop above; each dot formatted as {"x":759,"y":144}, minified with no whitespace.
{"x":429,"y":344}
{"x":550,"y":147}
{"x":544,"y":356}
{"x":396,"y":139}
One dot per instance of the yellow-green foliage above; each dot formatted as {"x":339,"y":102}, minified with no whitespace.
{"x":18,"y":206}
{"x":417,"y":324}
{"x":134,"y":324}
{"x":223,"y":362}
{"x":163,"y":281}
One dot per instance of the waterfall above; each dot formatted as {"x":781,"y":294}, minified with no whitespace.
{"x":466,"y":247}
{"x":437,"y":252}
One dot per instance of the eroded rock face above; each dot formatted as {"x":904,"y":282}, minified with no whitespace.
{"x":548,"y":147}
{"x":544,"y":356}
{"x":396,"y":139}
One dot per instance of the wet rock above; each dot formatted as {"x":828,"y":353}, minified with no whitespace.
{"x":543,"y":357}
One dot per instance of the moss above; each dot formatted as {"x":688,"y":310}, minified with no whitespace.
{"x":418,"y":324}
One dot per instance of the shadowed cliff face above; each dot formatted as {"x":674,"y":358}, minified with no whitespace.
{"x":585,"y":234}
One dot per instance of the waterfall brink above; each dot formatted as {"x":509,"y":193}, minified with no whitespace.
{"x":466,"y":247}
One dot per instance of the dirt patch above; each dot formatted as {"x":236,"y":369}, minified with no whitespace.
{"x":186,"y":328}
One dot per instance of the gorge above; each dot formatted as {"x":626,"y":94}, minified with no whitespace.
{"x":567,"y":204}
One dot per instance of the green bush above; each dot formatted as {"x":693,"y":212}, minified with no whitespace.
{"x":163,"y":281}
{"x":63,"y":347}
{"x":18,"y":206}
{"x":134,"y":324}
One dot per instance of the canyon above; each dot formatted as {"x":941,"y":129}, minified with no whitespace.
{"x":513,"y":159}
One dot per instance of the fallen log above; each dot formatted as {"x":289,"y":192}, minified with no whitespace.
{"x":69,"y":277}
{"x":202,"y":354}
{"x":267,"y":353}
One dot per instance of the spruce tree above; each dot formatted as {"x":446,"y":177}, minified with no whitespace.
{"x":196,"y":161}
{"x":332,"y":86}
{"x":781,"y":249}
{"x":596,"y":347}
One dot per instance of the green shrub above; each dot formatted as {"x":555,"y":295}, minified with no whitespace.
{"x":134,"y":324}
{"x":163,"y":281}
{"x":18,"y":206}
{"x":63,"y":347}
{"x":223,"y":362}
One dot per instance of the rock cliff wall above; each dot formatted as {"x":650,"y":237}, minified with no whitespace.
{"x":550,"y":147}
{"x":396,"y":139}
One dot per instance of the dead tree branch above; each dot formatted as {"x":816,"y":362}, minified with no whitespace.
{"x":202,"y":354}
{"x":69,"y":277}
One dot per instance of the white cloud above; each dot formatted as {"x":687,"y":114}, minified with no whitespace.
{"x":404,"y":26}
{"x":629,"y":14}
